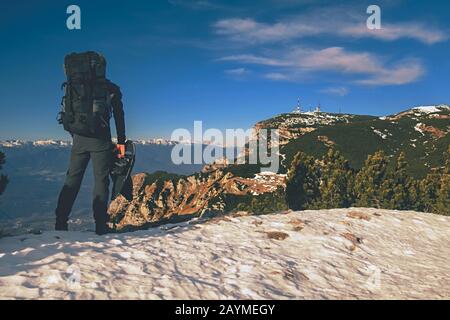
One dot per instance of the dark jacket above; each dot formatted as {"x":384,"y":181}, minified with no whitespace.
{"x":103,"y":142}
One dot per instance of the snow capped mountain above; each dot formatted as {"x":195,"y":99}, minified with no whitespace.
{"x":37,"y":143}
{"x":49,"y":142}
{"x":11,"y":143}
{"x":159,"y":141}
{"x":421,"y":111}
{"x":15,"y":143}
{"x":432,"y":108}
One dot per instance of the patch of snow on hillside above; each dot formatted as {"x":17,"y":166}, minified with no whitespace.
{"x":418,"y":126}
{"x":381,"y":134}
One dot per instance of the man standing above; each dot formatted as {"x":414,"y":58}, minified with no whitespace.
{"x":87,"y":105}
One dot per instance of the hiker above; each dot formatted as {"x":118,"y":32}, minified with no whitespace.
{"x":86,"y":109}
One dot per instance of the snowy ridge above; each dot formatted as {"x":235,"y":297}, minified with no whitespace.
{"x":36,"y":143}
{"x":43,"y":143}
{"x":432,"y":108}
{"x":420,"y":111}
{"x":13,"y":143}
{"x":158,"y":141}
{"x":354,"y":253}
{"x":308,"y":119}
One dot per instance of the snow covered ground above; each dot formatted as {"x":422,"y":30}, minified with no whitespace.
{"x":327,"y":254}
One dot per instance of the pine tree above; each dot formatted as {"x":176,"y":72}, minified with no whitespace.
{"x":397,"y":186}
{"x":336,"y":180}
{"x":429,"y":190}
{"x":370,"y":187}
{"x":435,"y":188}
{"x":443,"y":194}
{"x":415,"y":196}
{"x":443,"y":199}
{"x":3,"y":178}
{"x":302,"y":185}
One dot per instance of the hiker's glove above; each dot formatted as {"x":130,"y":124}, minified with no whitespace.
{"x":120,"y":151}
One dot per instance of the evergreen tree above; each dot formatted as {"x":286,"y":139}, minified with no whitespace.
{"x":331,"y":183}
{"x":302,"y":185}
{"x":336,"y":180}
{"x":443,"y":200}
{"x":397,"y":187}
{"x":415,"y":201}
{"x":370,"y":186}
{"x":3,"y":178}
{"x":429,"y":190}
{"x":443,"y":194}
{"x":435,"y":188}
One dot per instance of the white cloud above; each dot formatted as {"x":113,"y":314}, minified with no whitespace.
{"x":277,"y":76}
{"x":300,"y":61}
{"x":253,"y":59}
{"x":331,"y":21}
{"x":287,"y":61}
{"x":402,"y":74}
{"x":335,"y":58}
{"x":391,"y":32}
{"x":340,"y":91}
{"x":248,"y":30}
{"x":237,"y":71}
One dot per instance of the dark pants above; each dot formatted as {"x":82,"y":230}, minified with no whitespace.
{"x":79,"y":159}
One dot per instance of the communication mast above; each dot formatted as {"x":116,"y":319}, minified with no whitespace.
{"x":298,"y":108}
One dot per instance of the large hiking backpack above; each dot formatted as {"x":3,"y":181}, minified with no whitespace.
{"x":85,"y":106}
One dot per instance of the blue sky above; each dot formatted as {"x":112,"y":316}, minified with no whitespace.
{"x":228,"y":63}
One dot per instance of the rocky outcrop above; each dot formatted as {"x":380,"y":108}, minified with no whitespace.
{"x":164,"y":199}
{"x":435,"y":132}
{"x":285,"y":132}
{"x":326,"y":141}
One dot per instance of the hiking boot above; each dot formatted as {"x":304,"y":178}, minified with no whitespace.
{"x":61,"y":226}
{"x":103,"y":229}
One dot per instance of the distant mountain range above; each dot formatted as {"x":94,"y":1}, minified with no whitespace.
{"x":14,"y":143}
{"x":37,"y":168}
